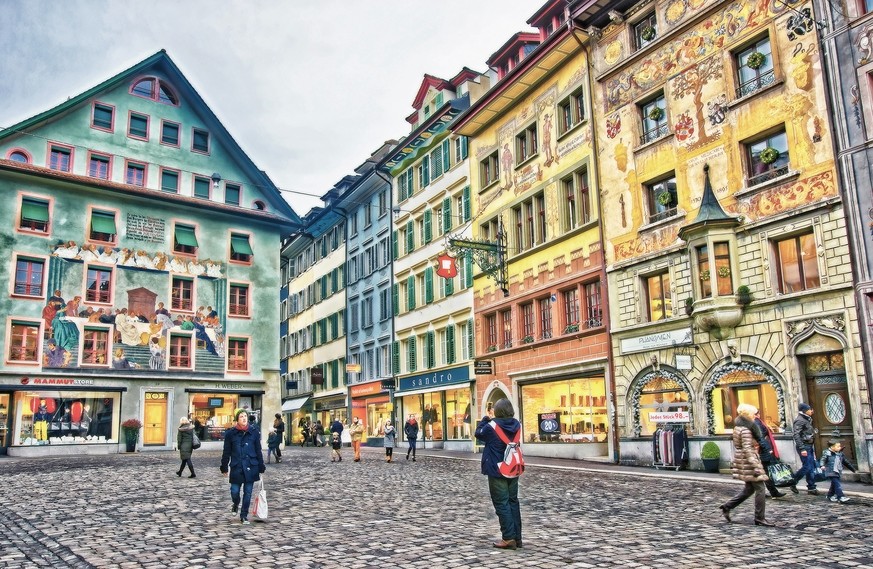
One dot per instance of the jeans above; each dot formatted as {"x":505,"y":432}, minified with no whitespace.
{"x":756,"y":488}
{"x":411,"y":447}
{"x":808,"y":468}
{"x":246,"y":498}
{"x":836,"y":488}
{"x":504,"y":496}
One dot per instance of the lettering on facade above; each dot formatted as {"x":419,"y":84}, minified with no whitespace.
{"x":230,"y":386}
{"x":145,"y":228}
{"x":454,"y":375}
{"x":670,"y":417}
{"x":56,"y":381}
{"x":654,"y":341}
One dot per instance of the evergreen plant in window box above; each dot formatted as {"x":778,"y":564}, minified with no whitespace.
{"x":571,"y":328}
{"x":756,"y":59}
{"x":527,"y":340}
{"x":689,"y":306}
{"x":744,"y":295}
{"x":492,"y":348}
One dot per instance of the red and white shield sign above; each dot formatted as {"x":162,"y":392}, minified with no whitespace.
{"x":446,"y":266}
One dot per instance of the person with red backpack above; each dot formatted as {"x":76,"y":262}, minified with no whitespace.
{"x":503,"y":463}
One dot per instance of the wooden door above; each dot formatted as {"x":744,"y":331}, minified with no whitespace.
{"x":832,"y":414}
{"x":155,"y":415}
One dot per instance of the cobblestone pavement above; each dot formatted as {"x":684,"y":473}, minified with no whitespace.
{"x":131,"y":510}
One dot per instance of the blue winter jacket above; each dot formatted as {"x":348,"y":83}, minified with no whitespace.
{"x":492,"y":455}
{"x":242,"y":449}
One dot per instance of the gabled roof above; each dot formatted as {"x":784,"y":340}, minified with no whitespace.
{"x":546,"y":11}
{"x":428,"y":82}
{"x":160,"y":61}
{"x":518,"y":39}
{"x":466,"y":74}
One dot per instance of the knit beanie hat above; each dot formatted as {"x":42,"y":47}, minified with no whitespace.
{"x":803,"y":407}
{"x":237,"y":413}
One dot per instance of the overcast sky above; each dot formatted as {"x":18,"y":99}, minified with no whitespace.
{"x":308,"y":88}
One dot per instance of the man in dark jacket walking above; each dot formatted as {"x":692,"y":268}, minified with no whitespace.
{"x":279,"y":425}
{"x":804,"y":437}
{"x":504,"y":491}
{"x":242,"y":449}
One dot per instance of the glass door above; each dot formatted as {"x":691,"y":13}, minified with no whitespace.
{"x":4,"y":422}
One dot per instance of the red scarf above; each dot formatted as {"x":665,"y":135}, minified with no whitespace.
{"x":238,"y":428}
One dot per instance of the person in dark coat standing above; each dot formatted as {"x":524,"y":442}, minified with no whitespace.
{"x":242,"y":450}
{"x":410,"y":429}
{"x":185,"y":442}
{"x":747,"y":466}
{"x":768,"y":452}
{"x":279,"y":425}
{"x":504,"y":491}
{"x":804,"y":439}
{"x":336,"y":427}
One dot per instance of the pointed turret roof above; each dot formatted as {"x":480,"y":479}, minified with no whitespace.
{"x":710,"y":212}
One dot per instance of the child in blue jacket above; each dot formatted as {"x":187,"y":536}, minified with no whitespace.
{"x":833,"y":461}
{"x":274,"y":439}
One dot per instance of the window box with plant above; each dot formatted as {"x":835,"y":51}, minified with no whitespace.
{"x":491,"y":348}
{"x":571,"y":328}
{"x":689,"y":306}
{"x":527,"y":340}
{"x":710,"y":454}
{"x":744,"y":295}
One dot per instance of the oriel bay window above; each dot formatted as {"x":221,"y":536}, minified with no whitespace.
{"x":659,"y":302}
{"x":714,"y":268}
{"x":662,"y":199}
{"x":797,"y":263}
{"x":24,"y":342}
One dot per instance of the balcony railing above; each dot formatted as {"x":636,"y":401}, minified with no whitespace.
{"x":768,"y":175}
{"x":765,"y":79}
{"x":654,"y":133}
{"x":666,"y":214}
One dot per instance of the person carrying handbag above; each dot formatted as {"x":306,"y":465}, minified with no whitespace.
{"x":185,"y":442}
{"x":769,"y":454}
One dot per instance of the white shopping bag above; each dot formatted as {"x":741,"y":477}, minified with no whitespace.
{"x":259,"y":502}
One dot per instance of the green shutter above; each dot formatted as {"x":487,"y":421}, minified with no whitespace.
{"x":395,"y":297}
{"x":395,"y":357}
{"x":323,"y":288}
{"x":425,"y":166}
{"x":428,"y":231}
{"x":450,"y":343}
{"x":468,"y":271}
{"x":448,"y":286}
{"x":410,"y":238}
{"x":102,"y":222}
{"x":185,"y":236}
{"x":447,"y":214}
{"x":240,"y":244}
{"x":394,"y":244}
{"x":466,"y":201}
{"x":447,"y":155}
{"x":410,"y":293}
{"x":470,"y":336}
{"x":411,"y":355}
{"x":463,"y":147}
{"x":431,"y":350}
{"x":428,"y":285}
{"x":32,"y":210}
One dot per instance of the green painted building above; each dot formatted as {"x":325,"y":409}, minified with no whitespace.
{"x":141,"y":274}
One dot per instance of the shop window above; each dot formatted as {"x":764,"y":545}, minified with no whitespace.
{"x":102,"y":226}
{"x":754,"y":65}
{"x":797,"y":263}
{"x":654,"y":116}
{"x":239,"y":300}
{"x":90,"y":415}
{"x":506,"y":329}
{"x":526,"y":144}
{"x":182,"y":294}
{"x":98,"y":287}
{"x":577,"y":203}
{"x":180,"y":351}
{"x":34,"y":215}
{"x":213,"y":413}
{"x":742,"y":383}
{"x":661,"y":392}
{"x":238,"y":354}
{"x":458,"y":414}
{"x":571,"y":310}
{"x":240,"y":248}
{"x":659,"y":302}
{"x":719,"y":273}
{"x":95,"y":346}
{"x":545,"y":306}
{"x":767,"y":158}
{"x":185,"y":239}
{"x":567,"y":411}
{"x":29,"y":277}
{"x":489,"y":171}
{"x":662,"y":199}
{"x":645,"y":31}
{"x":24,"y":342}
{"x":61,"y":158}
{"x":431,"y":417}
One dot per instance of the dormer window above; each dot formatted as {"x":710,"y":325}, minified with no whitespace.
{"x":156,"y":90}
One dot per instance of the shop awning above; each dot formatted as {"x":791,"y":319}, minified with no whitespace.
{"x":294,"y":404}
{"x":185,"y":236}
{"x":34,"y":211}
{"x":103,"y":223}
{"x":240,"y":244}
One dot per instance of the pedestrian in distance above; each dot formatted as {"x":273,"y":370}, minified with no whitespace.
{"x":305,"y":431}
{"x":503,"y":490}
{"x":768,"y":452}
{"x":410,"y":429}
{"x":833,"y":461}
{"x":318,"y":436}
{"x":747,"y":466}
{"x":804,"y":439}
{"x":356,"y":430}
{"x":336,"y":444}
{"x":279,"y":425}
{"x":185,"y":444}
{"x":390,"y":440}
{"x":273,"y":441}
{"x":242,"y":460}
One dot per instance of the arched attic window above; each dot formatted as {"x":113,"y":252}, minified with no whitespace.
{"x":154,"y":89}
{"x":259,"y":205}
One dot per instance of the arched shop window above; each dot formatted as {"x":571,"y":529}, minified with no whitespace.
{"x":744,"y":382}
{"x":657,"y":391}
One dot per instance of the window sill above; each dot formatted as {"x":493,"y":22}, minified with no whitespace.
{"x":527,"y":161}
{"x":653,"y":142}
{"x":23,"y":363}
{"x":28,"y":296}
{"x":661,"y":222}
{"x":750,"y":190}
{"x":487,"y":187}
{"x":34,"y":232}
{"x":572,"y":129}
{"x":774,"y":85}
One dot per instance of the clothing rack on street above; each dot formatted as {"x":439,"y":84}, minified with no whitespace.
{"x":670,"y":447}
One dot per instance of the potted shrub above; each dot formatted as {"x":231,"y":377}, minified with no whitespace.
{"x":710,"y":455}
{"x":571,"y":328}
{"x":744,"y":295}
{"x":756,"y":59}
{"x":689,"y":306}
{"x":492,"y":348}
{"x":131,"y":428}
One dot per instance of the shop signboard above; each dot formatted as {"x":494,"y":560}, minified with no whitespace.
{"x":483,"y":367}
{"x":455,"y":375}
{"x":656,"y":341}
{"x":683,"y":362}
{"x":364,"y":389}
{"x":317,"y":376}
{"x":549,"y":423}
{"x":669,"y":416}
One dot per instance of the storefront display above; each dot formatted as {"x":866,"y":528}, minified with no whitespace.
{"x":662,"y":400}
{"x":64,"y":417}
{"x":213,"y":412}
{"x":370,"y":404}
{"x":567,"y":411}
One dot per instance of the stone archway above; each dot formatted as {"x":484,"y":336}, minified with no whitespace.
{"x":744,"y":371}
{"x":666,"y":376}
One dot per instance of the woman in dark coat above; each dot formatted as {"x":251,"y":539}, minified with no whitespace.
{"x":768,"y":452}
{"x":279,"y":425}
{"x":747,"y":466}
{"x":185,"y":443}
{"x":242,"y":449}
{"x":410,"y":429}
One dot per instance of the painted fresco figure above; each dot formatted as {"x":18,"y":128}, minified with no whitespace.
{"x":547,"y":140}
{"x":54,"y":303}
{"x":126,"y":327}
{"x":201,"y":335}
{"x":65,"y":333}
{"x":68,"y":250}
{"x":506,"y":163}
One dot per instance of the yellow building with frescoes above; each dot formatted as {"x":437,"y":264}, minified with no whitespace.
{"x":541,"y":336}
{"x":724,"y":232}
